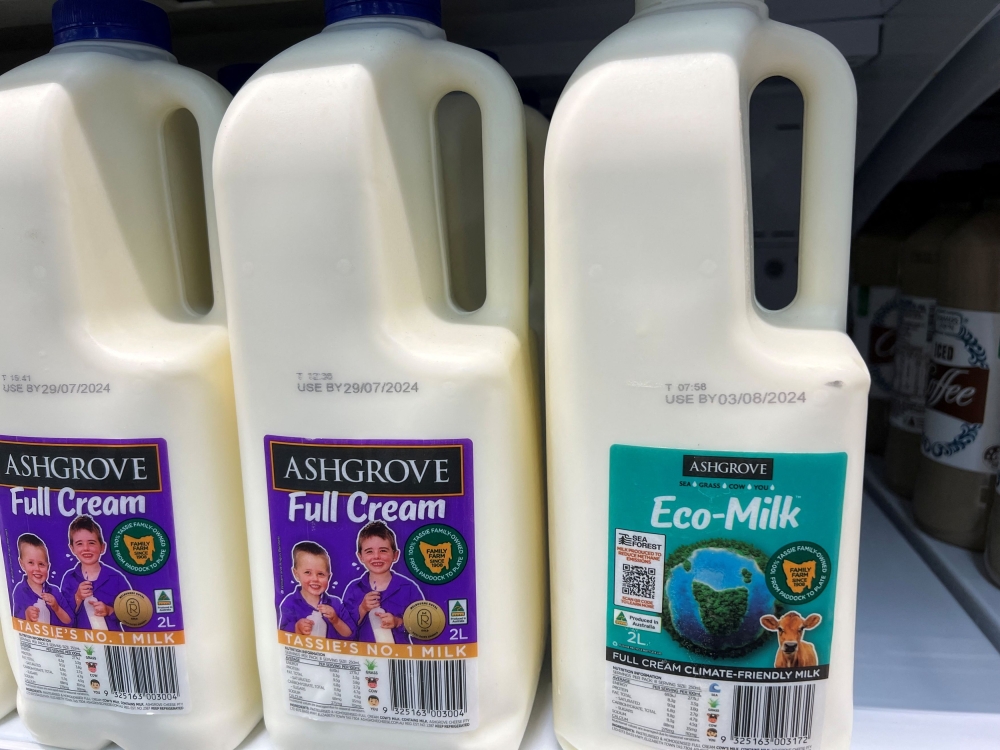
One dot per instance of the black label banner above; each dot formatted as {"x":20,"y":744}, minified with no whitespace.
{"x":91,"y":468}
{"x":728,"y":467}
{"x":648,"y":663}
{"x":390,"y":470}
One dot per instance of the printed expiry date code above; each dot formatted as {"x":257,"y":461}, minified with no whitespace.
{"x":324,"y":382}
{"x":25,"y":384}
{"x":697,"y":393}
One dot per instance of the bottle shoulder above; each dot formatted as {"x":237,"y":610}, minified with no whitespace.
{"x":649,"y":44}
{"x":86,"y":72}
{"x":364,"y":45}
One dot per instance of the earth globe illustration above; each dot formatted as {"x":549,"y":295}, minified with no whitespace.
{"x":714,"y":597}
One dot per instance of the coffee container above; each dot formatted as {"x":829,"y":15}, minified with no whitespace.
{"x":918,"y":292}
{"x":961,"y":438}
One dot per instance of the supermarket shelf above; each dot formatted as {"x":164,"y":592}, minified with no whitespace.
{"x":961,"y":571}
{"x":926,"y":677}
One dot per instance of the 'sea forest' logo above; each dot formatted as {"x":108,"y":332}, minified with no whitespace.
{"x":139,"y":546}
{"x":436,"y":553}
{"x":714,"y":595}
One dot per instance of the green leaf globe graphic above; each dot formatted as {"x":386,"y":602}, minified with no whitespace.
{"x":714,"y":595}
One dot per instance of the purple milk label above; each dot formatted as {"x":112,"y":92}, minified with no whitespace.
{"x":88,"y":539}
{"x":373,"y":545}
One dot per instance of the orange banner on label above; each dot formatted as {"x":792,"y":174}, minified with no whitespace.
{"x":384,"y":650}
{"x":111,"y":637}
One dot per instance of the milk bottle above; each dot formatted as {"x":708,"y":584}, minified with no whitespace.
{"x":389,"y":438}
{"x":874,"y":303}
{"x":120,"y":496}
{"x":705,"y":454}
{"x":961,"y":437}
{"x":918,"y":282}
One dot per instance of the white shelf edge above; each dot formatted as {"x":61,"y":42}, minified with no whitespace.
{"x":960,"y":570}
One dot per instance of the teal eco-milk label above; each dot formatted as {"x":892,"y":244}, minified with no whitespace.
{"x":722,"y":570}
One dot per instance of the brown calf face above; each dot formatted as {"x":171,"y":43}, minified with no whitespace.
{"x":791,"y":629}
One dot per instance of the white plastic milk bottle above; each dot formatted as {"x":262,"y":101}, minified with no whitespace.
{"x":389,"y":438}
{"x":127,"y":595}
{"x":705,"y":454}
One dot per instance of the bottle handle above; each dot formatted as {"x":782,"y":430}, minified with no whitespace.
{"x":830,"y":116}
{"x":505,"y":178}
{"x":207,"y":104}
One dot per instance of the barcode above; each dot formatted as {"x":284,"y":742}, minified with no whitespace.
{"x":638,"y":581}
{"x":142,"y":671}
{"x":773,"y":712}
{"x":427,"y":685}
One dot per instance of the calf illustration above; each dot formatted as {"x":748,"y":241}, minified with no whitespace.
{"x":793,"y":649}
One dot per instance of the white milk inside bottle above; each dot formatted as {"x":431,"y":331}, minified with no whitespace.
{"x":128,"y":612}
{"x":705,"y":454}
{"x":390,"y":444}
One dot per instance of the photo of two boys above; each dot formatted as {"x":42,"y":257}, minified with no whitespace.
{"x":371,"y":606}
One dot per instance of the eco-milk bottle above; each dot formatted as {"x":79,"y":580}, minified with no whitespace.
{"x":705,"y":454}
{"x":918,"y":289}
{"x":389,"y":438}
{"x":874,"y":305}
{"x":124,"y":546}
{"x":961,"y":437}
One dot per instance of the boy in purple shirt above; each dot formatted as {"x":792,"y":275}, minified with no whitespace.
{"x":310,"y":610}
{"x":91,"y":587}
{"x":379,"y":593}
{"x":34,"y":599}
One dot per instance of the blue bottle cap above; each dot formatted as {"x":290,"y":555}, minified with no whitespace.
{"x":426,"y":10}
{"x":126,"y":20}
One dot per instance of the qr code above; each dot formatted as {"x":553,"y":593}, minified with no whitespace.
{"x":638,"y":581}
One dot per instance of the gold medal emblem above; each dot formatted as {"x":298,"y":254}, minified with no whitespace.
{"x":133,"y":608}
{"x":424,"y":620}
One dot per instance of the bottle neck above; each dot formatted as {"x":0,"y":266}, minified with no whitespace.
{"x":119,"y":47}
{"x":425,"y":29}
{"x":647,"y":7}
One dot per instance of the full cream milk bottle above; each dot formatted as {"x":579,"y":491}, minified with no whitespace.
{"x":124,"y":546}
{"x":390,"y":444}
{"x":705,"y":454}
